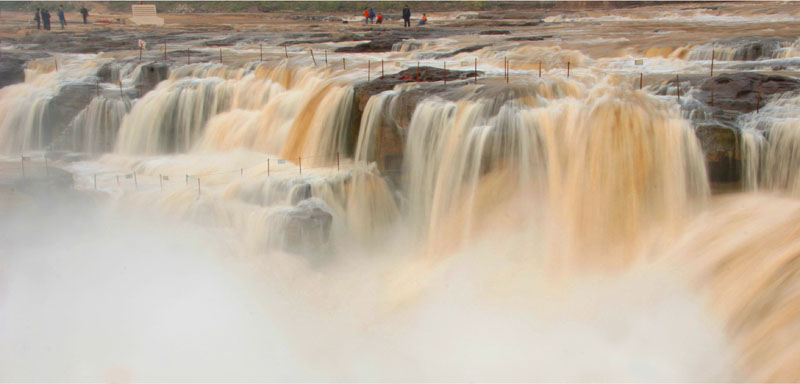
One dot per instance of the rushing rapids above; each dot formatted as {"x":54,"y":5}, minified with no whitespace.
{"x":333,"y":221}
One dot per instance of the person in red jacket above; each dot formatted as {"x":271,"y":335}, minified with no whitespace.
{"x":366,"y":15}
{"x":380,"y":18}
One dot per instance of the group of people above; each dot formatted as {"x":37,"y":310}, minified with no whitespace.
{"x":369,"y":17}
{"x":42,"y":17}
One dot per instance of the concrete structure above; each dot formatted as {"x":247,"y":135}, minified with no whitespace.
{"x":145,"y":15}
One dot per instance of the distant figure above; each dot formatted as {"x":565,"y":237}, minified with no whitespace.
{"x":61,"y":18}
{"x":84,"y":13}
{"x":366,"y":16}
{"x":424,"y":20}
{"x":380,"y":18}
{"x":406,"y":16}
{"x":38,"y":18}
{"x":46,"y":19}
{"x":371,"y":16}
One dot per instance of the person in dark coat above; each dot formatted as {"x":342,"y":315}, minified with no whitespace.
{"x":371,"y":16}
{"x":84,"y":13}
{"x":37,"y":16}
{"x":406,"y":16}
{"x":46,"y":19}
{"x":61,"y":18}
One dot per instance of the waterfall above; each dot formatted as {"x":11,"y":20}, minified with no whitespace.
{"x":289,"y":111}
{"x":172,"y":117}
{"x":95,"y":128}
{"x":377,"y":115}
{"x":771,"y":146}
{"x":496,"y":218}
{"x":607,"y":167}
{"x":65,"y":109}
{"x":742,"y":49}
{"x":23,"y":114}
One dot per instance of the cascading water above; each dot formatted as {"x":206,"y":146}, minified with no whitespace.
{"x":270,"y":109}
{"x":68,"y":109}
{"x":587,"y":161}
{"x":508,"y":224}
{"x":95,"y":128}
{"x":742,"y":49}
{"x":770,"y":146}
{"x":172,"y":117}
{"x":749,"y":268}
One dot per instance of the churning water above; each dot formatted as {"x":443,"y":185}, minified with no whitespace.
{"x":249,"y":221}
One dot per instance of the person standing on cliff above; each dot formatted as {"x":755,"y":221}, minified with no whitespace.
{"x":61,"y":18}
{"x":84,"y":13}
{"x":46,"y":19}
{"x":366,"y":15}
{"x":406,"y":16}
{"x":37,"y":16}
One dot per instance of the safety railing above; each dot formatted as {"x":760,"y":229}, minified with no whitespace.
{"x":33,"y":166}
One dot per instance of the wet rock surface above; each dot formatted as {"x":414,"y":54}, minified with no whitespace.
{"x":530,"y":38}
{"x":471,"y":48}
{"x":383,"y":41}
{"x":108,"y":72}
{"x":716,"y":123}
{"x":393,"y":127}
{"x":746,"y":48}
{"x":12,"y":70}
{"x":318,"y":38}
{"x":739,"y":91}
{"x":424,"y":74}
{"x":63,"y":107}
{"x":113,"y":39}
{"x":381,"y":45}
{"x":12,"y":66}
{"x":151,"y":74}
{"x":720,"y":144}
{"x":495,"y":32}
{"x":407,"y":100}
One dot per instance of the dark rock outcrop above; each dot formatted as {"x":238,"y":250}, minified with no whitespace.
{"x":739,"y":91}
{"x":720,"y":144}
{"x":12,"y":66}
{"x":494,"y":32}
{"x":406,"y":102}
{"x":715,"y":123}
{"x":316,"y":38}
{"x":380,"y":45}
{"x":226,"y":41}
{"x":423,"y":74}
{"x":518,"y":24}
{"x":108,"y":73}
{"x":151,"y":74}
{"x":471,"y":48}
{"x":12,"y":70}
{"x":63,"y":107}
{"x":742,"y":48}
{"x":384,"y":40}
{"x":530,"y":38}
